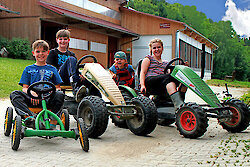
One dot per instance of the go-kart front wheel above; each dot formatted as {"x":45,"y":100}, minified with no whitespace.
{"x":65,"y":119}
{"x":83,"y":134}
{"x":16,"y":133}
{"x":145,"y":120}
{"x":191,"y":120}
{"x":240,"y":116}
{"x":8,"y":121}
{"x":93,"y":111}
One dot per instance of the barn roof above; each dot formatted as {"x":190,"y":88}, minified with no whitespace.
{"x":93,"y":22}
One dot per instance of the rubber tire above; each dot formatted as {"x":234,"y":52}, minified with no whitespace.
{"x":8,"y":121}
{"x":146,"y":118}
{"x":94,"y":112}
{"x":240,"y":108}
{"x":197,"y":114}
{"x":16,"y":133}
{"x":165,"y":122}
{"x":83,"y":134}
{"x":121,"y":123}
{"x":65,"y":119}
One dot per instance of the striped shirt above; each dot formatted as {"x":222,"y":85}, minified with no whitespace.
{"x":155,"y":68}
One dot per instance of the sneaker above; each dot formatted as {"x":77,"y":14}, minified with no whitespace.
{"x":53,"y":124}
{"x":52,"y":127}
{"x":30,"y":122}
{"x":80,"y":93}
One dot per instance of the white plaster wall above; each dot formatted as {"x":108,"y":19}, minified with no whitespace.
{"x":141,"y":48}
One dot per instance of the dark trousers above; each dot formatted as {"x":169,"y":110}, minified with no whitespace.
{"x":68,"y":70}
{"x":21,"y":102}
{"x":156,"y":85}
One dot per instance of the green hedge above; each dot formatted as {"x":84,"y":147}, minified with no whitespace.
{"x":17,"y":48}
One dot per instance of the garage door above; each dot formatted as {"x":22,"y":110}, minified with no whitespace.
{"x":141,"y":49}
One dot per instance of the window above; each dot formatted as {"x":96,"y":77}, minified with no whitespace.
{"x":94,"y":7}
{"x":193,"y":55}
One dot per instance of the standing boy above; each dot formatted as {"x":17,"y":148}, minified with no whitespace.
{"x":40,"y":71}
{"x":122,"y":71}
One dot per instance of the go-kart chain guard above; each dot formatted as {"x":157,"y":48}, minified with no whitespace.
{"x":123,"y":111}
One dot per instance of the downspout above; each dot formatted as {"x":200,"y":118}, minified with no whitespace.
{"x":137,"y":38}
{"x":177,"y":34}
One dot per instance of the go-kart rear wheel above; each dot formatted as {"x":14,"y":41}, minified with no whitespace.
{"x":65,"y":119}
{"x":8,"y":121}
{"x":191,"y":120}
{"x":95,"y":115}
{"x":146,"y":117}
{"x":240,"y":118}
{"x":16,"y":133}
{"x":83,"y":134}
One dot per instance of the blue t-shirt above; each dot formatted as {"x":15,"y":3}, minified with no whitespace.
{"x":34,"y":73}
{"x":130,"y":69}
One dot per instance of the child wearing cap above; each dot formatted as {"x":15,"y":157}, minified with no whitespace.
{"x":123,"y":73}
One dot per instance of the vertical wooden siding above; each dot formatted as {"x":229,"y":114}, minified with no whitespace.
{"x":90,"y":37}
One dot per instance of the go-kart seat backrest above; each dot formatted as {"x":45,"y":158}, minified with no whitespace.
{"x":137,"y":75}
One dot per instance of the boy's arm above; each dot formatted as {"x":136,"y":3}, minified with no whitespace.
{"x":33,"y":101}
{"x":58,"y":87}
{"x":25,"y":88}
{"x":113,"y":74}
{"x":144,"y":68}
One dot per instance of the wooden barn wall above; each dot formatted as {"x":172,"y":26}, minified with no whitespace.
{"x":148,"y":25}
{"x":125,"y":45}
{"x":89,"y":36}
{"x":88,"y":12}
{"x":22,"y":28}
{"x":25,"y":25}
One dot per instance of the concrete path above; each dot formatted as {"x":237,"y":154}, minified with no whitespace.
{"x":117,"y":147}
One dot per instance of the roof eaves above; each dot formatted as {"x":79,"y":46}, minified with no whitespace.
{"x":4,"y":8}
{"x":201,"y":35}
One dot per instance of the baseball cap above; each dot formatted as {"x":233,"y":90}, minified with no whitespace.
{"x":121,"y":55}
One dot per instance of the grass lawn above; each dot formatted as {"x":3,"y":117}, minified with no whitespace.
{"x":11,"y":71}
{"x":238,"y":84}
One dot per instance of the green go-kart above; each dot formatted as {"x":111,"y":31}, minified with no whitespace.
{"x":191,"y":118}
{"x":42,"y":126}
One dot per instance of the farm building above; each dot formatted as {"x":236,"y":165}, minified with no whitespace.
{"x":101,"y":28}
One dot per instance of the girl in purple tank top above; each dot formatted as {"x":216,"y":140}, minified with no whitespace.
{"x":152,"y":77}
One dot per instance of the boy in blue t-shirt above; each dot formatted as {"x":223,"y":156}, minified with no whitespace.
{"x":122,"y":71}
{"x":40,"y":71}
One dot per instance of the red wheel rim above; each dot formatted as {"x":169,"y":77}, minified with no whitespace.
{"x":118,"y":115}
{"x":188,"y":120}
{"x":235,"y":118}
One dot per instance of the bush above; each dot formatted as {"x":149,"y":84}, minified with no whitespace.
{"x":3,"y":42}
{"x":246,"y":98}
{"x":18,"y":48}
